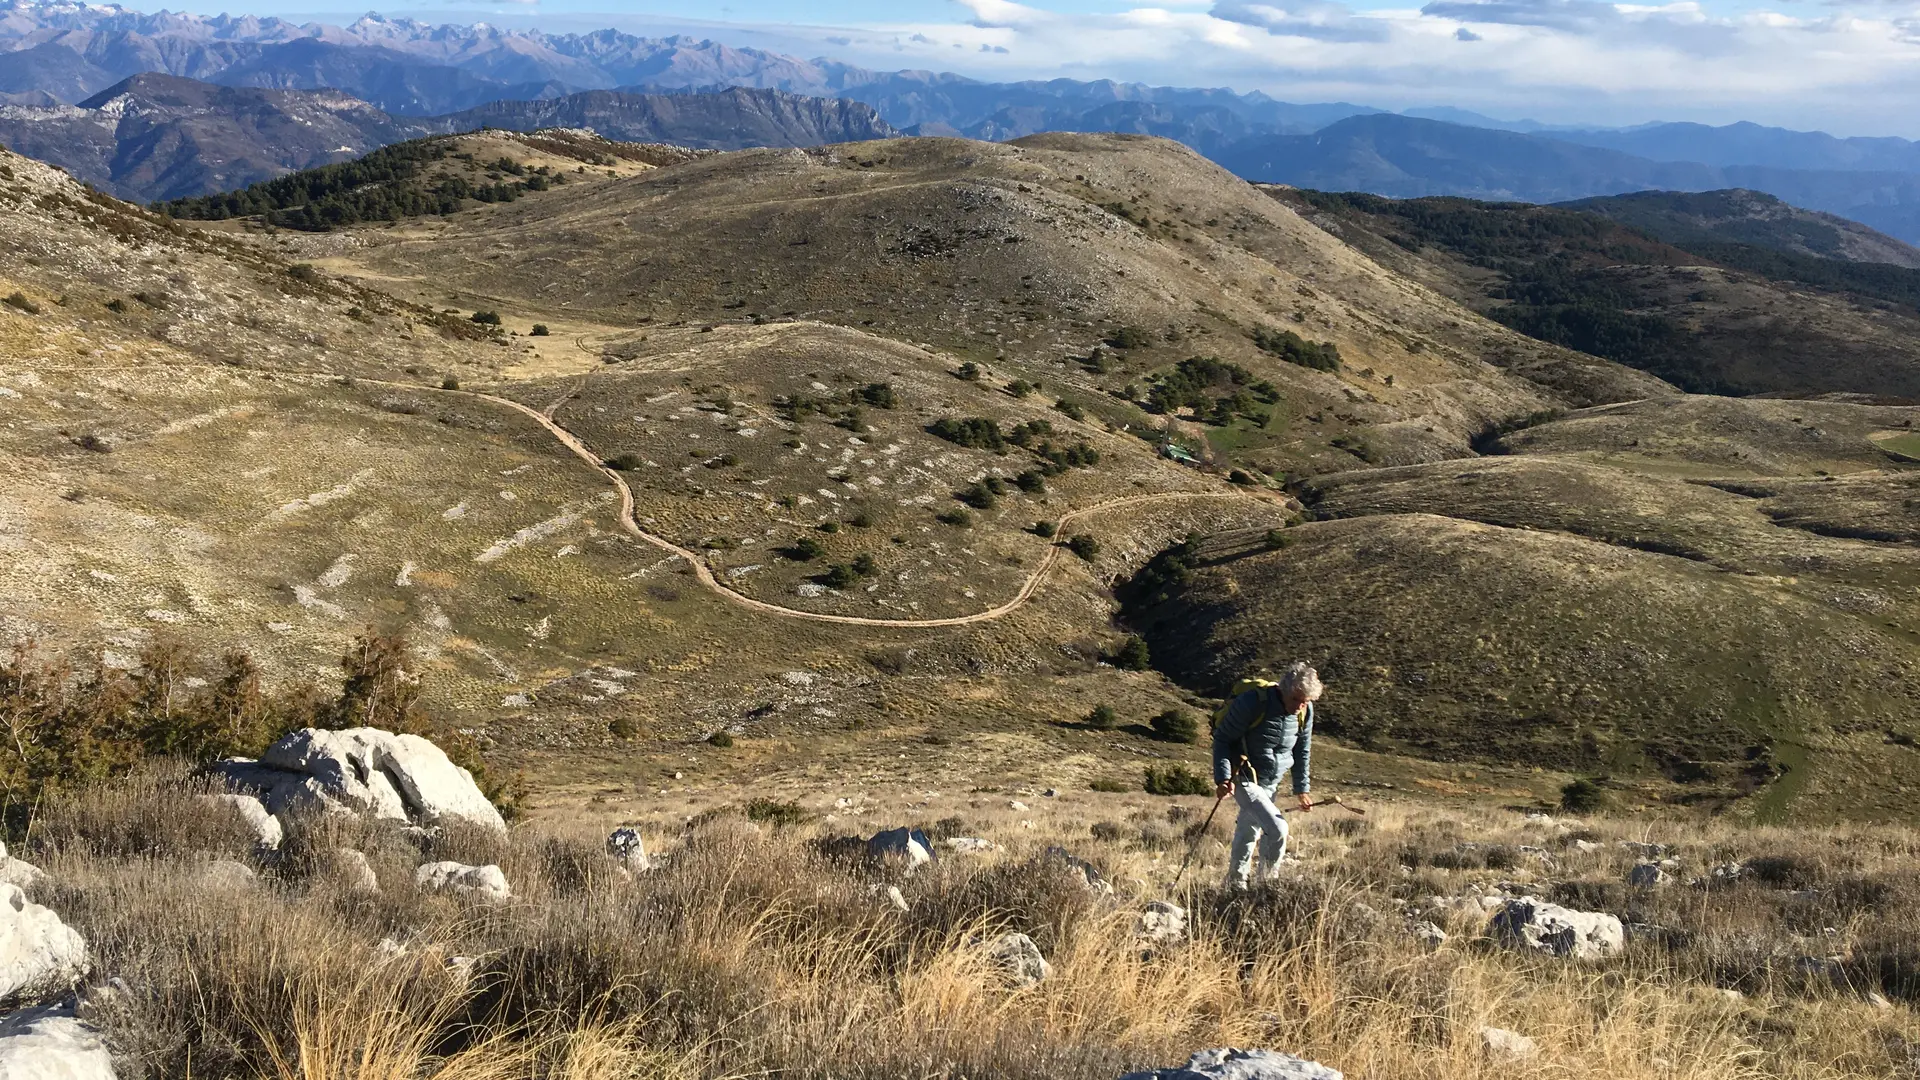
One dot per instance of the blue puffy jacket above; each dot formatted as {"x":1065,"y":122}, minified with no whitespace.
{"x":1273,"y":741}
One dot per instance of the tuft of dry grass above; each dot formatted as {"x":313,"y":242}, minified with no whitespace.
{"x":755,"y":951}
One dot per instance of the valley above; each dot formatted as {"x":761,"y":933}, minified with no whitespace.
{"x":857,"y":462}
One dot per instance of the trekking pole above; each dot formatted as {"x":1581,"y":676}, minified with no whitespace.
{"x":1197,"y":837}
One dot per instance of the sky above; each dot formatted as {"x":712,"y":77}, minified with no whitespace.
{"x":1850,"y":67}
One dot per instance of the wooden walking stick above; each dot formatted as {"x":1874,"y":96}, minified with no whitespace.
{"x":1197,"y":837}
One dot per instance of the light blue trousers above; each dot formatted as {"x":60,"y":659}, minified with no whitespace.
{"x":1260,"y":829}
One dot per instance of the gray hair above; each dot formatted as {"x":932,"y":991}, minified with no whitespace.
{"x":1300,"y":677}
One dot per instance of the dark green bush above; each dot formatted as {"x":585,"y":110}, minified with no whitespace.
{"x":720,"y":739}
{"x":1102,"y":718}
{"x":1294,"y":349}
{"x":804,"y":549}
{"x":1582,"y":796}
{"x":1084,"y":546}
{"x":1132,"y":655}
{"x":485,"y":318}
{"x":1176,"y":725}
{"x":973,"y":432}
{"x":1176,"y":780}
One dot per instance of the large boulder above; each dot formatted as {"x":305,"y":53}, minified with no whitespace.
{"x":487,"y":884}
{"x":52,"y":1044}
{"x":40,"y":956}
{"x":1531,"y":923}
{"x":401,"y":778}
{"x":1226,"y":1063}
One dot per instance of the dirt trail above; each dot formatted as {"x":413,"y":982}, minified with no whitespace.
{"x":628,"y":523}
{"x":705,"y":575}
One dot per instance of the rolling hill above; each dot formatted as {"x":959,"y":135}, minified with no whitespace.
{"x":1729,"y":292}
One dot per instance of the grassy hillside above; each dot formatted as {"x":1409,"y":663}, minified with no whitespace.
{"x":1707,"y":305}
{"x":437,"y":175}
{"x":1750,"y":219}
{"x":1089,"y":265}
{"x":1627,"y":592}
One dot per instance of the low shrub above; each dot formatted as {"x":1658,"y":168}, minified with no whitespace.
{"x":1176,"y":725}
{"x":1176,"y":780}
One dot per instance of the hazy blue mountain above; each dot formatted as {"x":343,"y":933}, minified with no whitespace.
{"x":1407,"y":157}
{"x":1752,"y":144}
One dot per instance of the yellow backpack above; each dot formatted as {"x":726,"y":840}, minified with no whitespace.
{"x":1239,"y":688}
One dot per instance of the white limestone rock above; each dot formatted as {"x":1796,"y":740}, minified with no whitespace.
{"x":40,"y":956}
{"x":52,"y":1044}
{"x":486,"y":884}
{"x":1225,"y":1063}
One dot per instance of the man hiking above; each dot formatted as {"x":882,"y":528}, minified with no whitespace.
{"x":1265,"y":731}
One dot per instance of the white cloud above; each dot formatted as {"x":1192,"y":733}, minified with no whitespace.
{"x":1851,"y":69}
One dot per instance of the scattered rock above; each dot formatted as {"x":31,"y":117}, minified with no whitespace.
{"x":1585,"y":847}
{"x":1511,"y":1045}
{"x":363,"y":770}
{"x":1079,"y":868}
{"x":1050,"y":793}
{"x":628,"y":850}
{"x":267,"y":830}
{"x":460,"y":968}
{"x":1229,"y":1064}
{"x":1019,"y":959}
{"x":484,"y":883}
{"x":1647,"y":852}
{"x":1163,"y":923}
{"x":969,"y":845}
{"x":350,"y":870}
{"x":1878,"y":1000}
{"x":898,"y":901}
{"x":1531,"y":923}
{"x":227,"y":874}
{"x":1428,"y":933}
{"x":1017,"y":805}
{"x":1646,"y":875}
{"x":40,"y":956}
{"x":904,"y":842}
{"x":52,"y":1043}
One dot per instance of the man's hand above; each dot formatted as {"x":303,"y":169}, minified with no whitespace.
{"x":1306,"y":801}
{"x":1223,"y":789}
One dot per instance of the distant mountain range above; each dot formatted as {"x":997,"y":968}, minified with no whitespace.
{"x":165,"y":137}
{"x":1409,"y":157}
{"x":417,"y":76}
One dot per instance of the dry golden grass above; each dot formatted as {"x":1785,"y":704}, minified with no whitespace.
{"x":754,"y":951}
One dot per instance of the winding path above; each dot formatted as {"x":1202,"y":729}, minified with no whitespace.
{"x":544,"y":417}
{"x":700,"y":570}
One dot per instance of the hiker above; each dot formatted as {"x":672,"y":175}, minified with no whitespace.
{"x":1264,"y":731}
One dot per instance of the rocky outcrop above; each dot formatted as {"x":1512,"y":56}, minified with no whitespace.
{"x":1530,"y":923}
{"x":402,"y":778}
{"x":1229,"y":1064}
{"x":40,"y":956}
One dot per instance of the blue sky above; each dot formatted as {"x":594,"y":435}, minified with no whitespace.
{"x":1845,"y":66}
